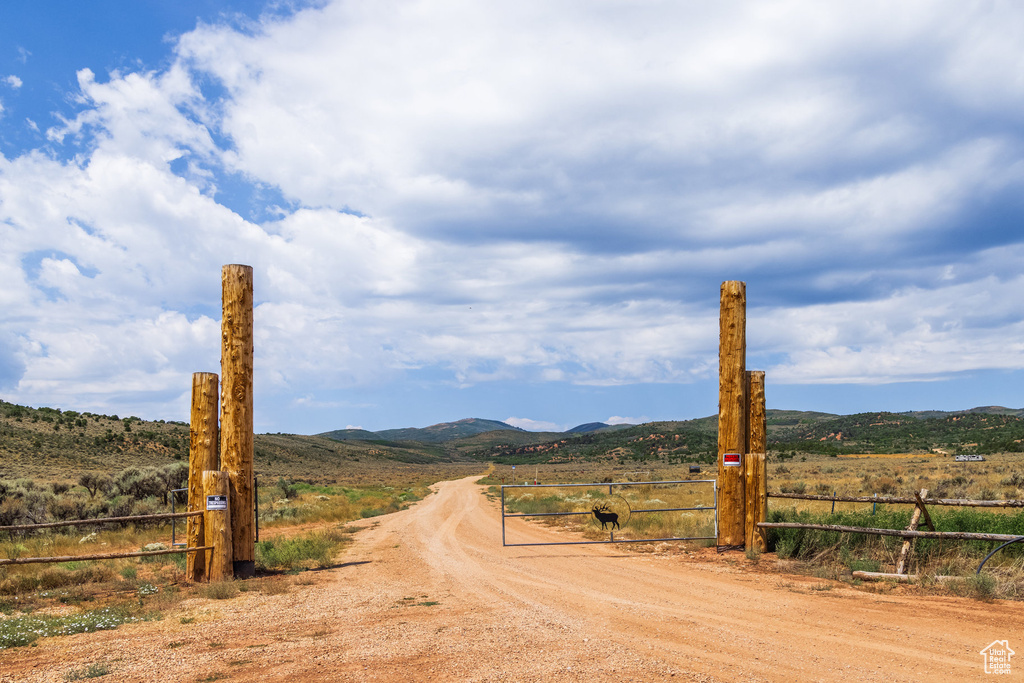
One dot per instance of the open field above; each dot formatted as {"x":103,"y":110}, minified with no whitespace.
{"x":1000,"y":476}
{"x":429,"y":593}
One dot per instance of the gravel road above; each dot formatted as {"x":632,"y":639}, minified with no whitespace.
{"x":430,"y":594}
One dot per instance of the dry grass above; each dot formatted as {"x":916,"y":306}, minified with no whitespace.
{"x":1000,"y":476}
{"x":634,"y":506}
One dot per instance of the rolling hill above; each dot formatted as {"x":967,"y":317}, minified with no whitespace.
{"x":439,"y":433}
{"x":51,"y":443}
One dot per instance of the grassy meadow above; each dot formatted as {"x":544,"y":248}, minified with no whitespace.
{"x":644,"y":512}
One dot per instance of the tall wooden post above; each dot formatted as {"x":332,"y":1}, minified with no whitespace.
{"x":755,"y":466}
{"x":217,"y":525}
{"x":732,"y":412}
{"x":202,"y":455}
{"x":236,"y":416}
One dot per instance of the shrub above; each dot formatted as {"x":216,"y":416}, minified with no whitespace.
{"x":11,"y":510}
{"x":885,"y":486}
{"x":139,"y":483}
{"x":286,"y":487}
{"x":92,"y":671}
{"x":174,"y":476}
{"x":1016,"y":480}
{"x":149,"y":506}
{"x":119,"y":506}
{"x":70,"y":507}
{"x":95,"y":483}
{"x":865,"y":565}
{"x":34,"y":506}
{"x":293,"y":553}
{"x":55,"y":577}
{"x":978,"y":586}
{"x":219,"y":590}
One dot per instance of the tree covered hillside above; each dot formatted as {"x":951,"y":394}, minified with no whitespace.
{"x":967,"y":432}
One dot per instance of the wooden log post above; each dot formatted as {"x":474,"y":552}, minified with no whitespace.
{"x":754,"y":469}
{"x":236,"y":417}
{"x":915,"y":521}
{"x":732,"y":413}
{"x":217,"y":525}
{"x":204,"y":442}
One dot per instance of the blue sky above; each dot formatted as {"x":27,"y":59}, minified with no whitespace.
{"x":519,"y":211}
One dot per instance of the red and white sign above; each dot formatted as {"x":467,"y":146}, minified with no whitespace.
{"x":731,"y":459}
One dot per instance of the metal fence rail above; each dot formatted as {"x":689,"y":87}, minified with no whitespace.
{"x":611,"y":537}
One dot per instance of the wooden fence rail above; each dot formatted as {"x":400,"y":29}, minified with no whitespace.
{"x":959,"y":502}
{"x":902,"y":533}
{"x":108,"y":556}
{"x":101,"y":520}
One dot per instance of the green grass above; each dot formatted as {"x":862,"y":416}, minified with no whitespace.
{"x":844,"y":553}
{"x":316,"y":549}
{"x":806,"y":543}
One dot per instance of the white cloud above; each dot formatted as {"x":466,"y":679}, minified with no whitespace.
{"x":534,"y":425}
{"x":516,"y":105}
{"x":533,"y":191}
{"x":914,"y":335}
{"x":13,"y":81}
{"x":618,"y":420}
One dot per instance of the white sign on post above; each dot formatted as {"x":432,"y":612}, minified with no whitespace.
{"x":216,"y":502}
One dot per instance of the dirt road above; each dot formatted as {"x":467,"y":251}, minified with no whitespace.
{"x":430,"y":594}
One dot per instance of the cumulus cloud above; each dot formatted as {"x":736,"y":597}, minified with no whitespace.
{"x":531,"y":191}
{"x":619,"y":420}
{"x":534,"y":425}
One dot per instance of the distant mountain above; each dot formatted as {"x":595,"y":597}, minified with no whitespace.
{"x":597,"y":427}
{"x":588,"y":427}
{"x":439,"y":433}
{"x":351,"y":435}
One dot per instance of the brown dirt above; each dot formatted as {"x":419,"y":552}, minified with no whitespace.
{"x":429,"y":593}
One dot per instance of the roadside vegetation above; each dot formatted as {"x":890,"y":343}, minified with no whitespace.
{"x":836,"y":555}
{"x":301,"y":529}
{"x":825,"y":554}
{"x":63,"y":465}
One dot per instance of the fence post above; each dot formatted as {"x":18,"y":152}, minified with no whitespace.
{"x":202,"y":456}
{"x":217,"y":523}
{"x":915,"y":519}
{"x":732,"y":413}
{"x":754,"y":467}
{"x":236,"y":424}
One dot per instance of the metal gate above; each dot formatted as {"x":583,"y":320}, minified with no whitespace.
{"x":606,"y":507}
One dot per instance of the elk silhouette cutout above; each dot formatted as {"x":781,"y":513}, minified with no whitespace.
{"x":606,"y":517}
